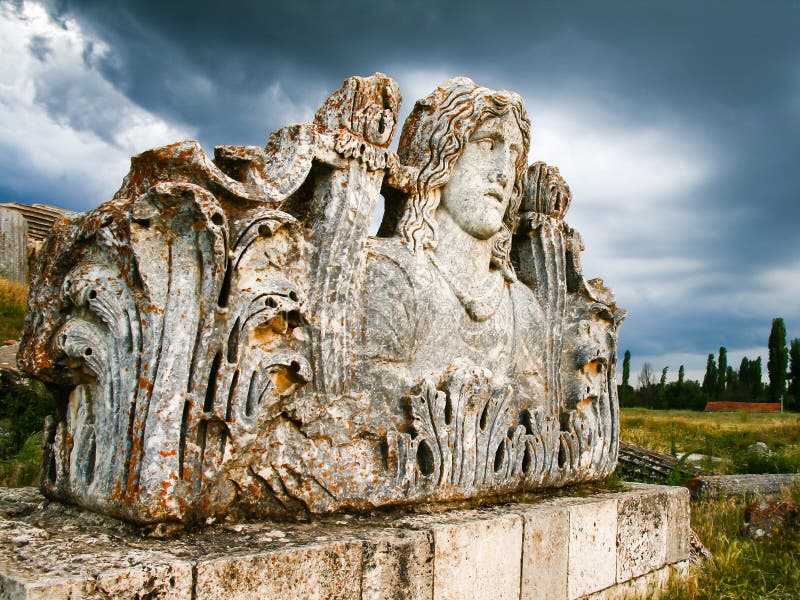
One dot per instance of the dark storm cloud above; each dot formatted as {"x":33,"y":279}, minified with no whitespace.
{"x":40,"y":47}
{"x":725,"y":72}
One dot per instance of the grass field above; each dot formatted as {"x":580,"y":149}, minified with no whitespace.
{"x":723,"y":435}
{"x":742,"y":568}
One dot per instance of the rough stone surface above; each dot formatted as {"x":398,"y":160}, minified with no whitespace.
{"x":486,"y":555}
{"x":646,"y":586}
{"x":770,"y":517}
{"x":641,"y":534}
{"x":592,"y":563}
{"x":545,"y":553}
{"x":398,"y":566}
{"x":318,"y":572}
{"x":56,"y":553}
{"x":49,"y":550}
{"x":742,"y":486}
{"x":228,"y":340}
{"x":678,"y":524}
{"x":13,"y":245}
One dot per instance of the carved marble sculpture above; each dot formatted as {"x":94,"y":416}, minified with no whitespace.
{"x":227,"y":339}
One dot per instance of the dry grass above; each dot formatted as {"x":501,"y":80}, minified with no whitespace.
{"x":13,"y":296}
{"x":723,"y":435}
{"x":742,"y":568}
{"x":13,"y":292}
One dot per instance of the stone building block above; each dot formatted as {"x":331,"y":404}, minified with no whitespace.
{"x":548,"y":549}
{"x":478,"y":559}
{"x":678,"y":523}
{"x":592,"y":562}
{"x":398,"y":566}
{"x":313,"y":572}
{"x":646,"y":586}
{"x":545,"y":553}
{"x":172,"y":580}
{"x":13,"y":245}
{"x":641,"y":533}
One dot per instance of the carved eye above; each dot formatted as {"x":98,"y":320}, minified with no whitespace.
{"x":486,"y":144}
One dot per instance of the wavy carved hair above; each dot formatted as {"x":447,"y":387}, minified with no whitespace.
{"x":433,"y":138}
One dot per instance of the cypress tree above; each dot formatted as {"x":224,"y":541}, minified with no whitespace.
{"x":793,"y":402}
{"x":722,"y":372}
{"x":625,"y":389}
{"x":757,"y":387}
{"x":778,"y":360}
{"x":745,"y":372}
{"x":626,"y":369}
{"x":710,"y":378}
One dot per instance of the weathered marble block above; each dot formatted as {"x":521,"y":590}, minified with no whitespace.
{"x":536,"y":550}
{"x":227,"y":339}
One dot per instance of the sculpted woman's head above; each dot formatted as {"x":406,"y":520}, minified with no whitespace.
{"x":490,"y":131}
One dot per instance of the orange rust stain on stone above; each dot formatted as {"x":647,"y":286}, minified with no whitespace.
{"x":165,"y":488}
{"x":145,"y":384}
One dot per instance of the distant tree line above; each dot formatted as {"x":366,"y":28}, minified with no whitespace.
{"x":721,"y":381}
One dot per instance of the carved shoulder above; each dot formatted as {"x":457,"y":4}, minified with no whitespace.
{"x":529,"y":322}
{"x":392,"y":301}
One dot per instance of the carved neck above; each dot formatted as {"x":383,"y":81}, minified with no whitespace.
{"x":462,"y":254}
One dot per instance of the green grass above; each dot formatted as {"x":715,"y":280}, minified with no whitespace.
{"x":723,"y":435}
{"x":742,"y":568}
{"x":23,"y":468}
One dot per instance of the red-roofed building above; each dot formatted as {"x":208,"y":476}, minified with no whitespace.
{"x":765,"y":407}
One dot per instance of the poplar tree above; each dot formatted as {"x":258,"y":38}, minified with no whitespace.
{"x":722,"y":371}
{"x":626,"y":369}
{"x":710,"y":378}
{"x":681,"y":374}
{"x":757,"y":386}
{"x":745,"y":372}
{"x":778,"y":360}
{"x":793,"y":400}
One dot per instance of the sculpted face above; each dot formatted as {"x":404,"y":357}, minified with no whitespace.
{"x":482,"y":180}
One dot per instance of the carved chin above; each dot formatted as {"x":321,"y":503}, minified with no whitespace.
{"x":486,"y":227}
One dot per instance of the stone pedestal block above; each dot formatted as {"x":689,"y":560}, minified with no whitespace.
{"x":545,"y":556}
{"x":484,"y":552}
{"x":398,"y":566}
{"x":678,"y":511}
{"x":607,"y":545}
{"x":318,"y":571}
{"x":642,"y":534}
{"x":592,"y":546}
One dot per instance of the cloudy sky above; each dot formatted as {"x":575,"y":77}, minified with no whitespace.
{"x":677,"y":124}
